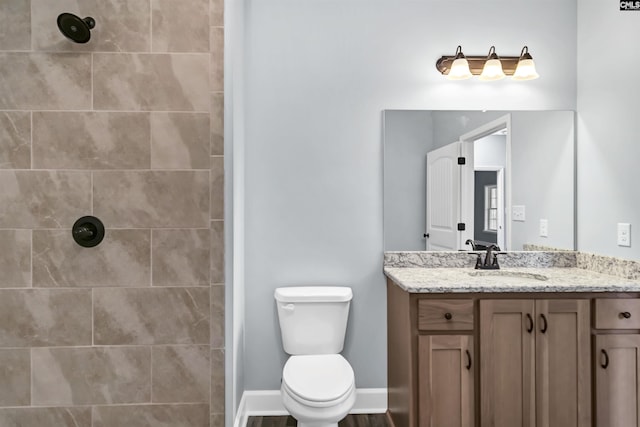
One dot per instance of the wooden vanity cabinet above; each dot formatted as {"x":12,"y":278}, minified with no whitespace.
{"x":498,"y":360}
{"x":617,"y":362}
{"x":445,"y":381}
{"x":431,"y":360}
{"x":534,"y":363}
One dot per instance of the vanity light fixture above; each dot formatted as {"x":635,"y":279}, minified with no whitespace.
{"x":490,"y":67}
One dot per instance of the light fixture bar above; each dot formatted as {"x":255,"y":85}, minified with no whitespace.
{"x":476,"y":64}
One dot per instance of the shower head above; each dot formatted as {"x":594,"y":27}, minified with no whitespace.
{"x":74,"y":28}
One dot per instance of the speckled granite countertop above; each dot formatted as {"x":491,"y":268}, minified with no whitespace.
{"x":462,"y":280}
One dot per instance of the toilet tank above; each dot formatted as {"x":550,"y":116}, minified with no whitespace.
{"x":313,"y":319}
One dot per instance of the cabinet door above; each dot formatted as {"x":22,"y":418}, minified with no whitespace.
{"x":507,"y":363}
{"x":563,"y":380}
{"x":617,"y":380}
{"x":445,"y":384}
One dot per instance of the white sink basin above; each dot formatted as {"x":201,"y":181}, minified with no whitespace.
{"x":510,"y":275}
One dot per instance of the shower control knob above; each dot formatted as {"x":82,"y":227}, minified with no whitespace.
{"x":88,"y":231}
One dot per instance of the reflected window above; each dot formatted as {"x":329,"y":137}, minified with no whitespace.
{"x":491,"y":208}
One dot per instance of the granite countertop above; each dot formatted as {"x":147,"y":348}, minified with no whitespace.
{"x":522,"y":279}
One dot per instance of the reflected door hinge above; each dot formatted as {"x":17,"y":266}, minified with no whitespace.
{"x":462,"y":160}
{"x":461,"y":226}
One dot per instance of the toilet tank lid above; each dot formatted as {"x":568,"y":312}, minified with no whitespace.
{"x":313,"y":294}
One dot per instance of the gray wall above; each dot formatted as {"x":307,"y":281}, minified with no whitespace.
{"x":410,"y":136}
{"x":608,"y":128}
{"x":542,"y":157}
{"x":490,"y":151}
{"x":318,"y":75}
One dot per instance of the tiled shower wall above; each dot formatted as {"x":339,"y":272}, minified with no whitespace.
{"x":127,"y":128}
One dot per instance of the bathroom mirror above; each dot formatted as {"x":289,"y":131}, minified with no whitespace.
{"x":501,"y":177}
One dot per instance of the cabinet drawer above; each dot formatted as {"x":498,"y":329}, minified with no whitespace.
{"x":618,"y":313}
{"x":445,"y":314}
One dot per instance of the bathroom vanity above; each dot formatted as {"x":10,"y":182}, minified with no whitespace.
{"x":544,"y":341}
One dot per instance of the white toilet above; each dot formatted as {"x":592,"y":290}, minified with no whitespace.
{"x":318,"y":385}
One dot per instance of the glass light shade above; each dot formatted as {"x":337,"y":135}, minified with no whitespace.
{"x":459,"y":70}
{"x":525,"y":70}
{"x":492,"y":70}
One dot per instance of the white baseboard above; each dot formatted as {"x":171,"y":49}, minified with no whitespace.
{"x":269,"y":402}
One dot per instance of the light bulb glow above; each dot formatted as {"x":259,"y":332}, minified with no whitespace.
{"x":492,"y":70}
{"x":525,"y":70}
{"x":459,"y":70}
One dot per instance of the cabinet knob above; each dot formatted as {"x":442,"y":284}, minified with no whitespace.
{"x":448,"y":316}
{"x":625,"y":314}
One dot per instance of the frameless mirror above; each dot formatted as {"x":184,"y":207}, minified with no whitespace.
{"x":492,"y":177}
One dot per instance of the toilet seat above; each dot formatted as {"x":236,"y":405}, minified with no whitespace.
{"x":318,"y":380}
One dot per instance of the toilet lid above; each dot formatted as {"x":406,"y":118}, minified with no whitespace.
{"x":318,"y":378}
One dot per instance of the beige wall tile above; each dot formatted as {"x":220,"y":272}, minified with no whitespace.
{"x":151,"y":316}
{"x":181,"y":257}
{"x":15,"y":138}
{"x":43,"y":199}
{"x":85,"y":376}
{"x":217,"y":59}
{"x":217,"y":381}
{"x":121,"y":259}
{"x":15,"y":378}
{"x":179,"y":140}
{"x":179,"y":374}
{"x":75,"y":140}
{"x":217,"y":420}
{"x":217,"y":329}
{"x":152,"y":199}
{"x":217,"y":316}
{"x":217,"y":13}
{"x":217,"y":124}
{"x":45,"y":318}
{"x":60,"y":81}
{"x":194,"y":415}
{"x":121,"y":25}
{"x":15,"y":258}
{"x":217,"y":187}
{"x":15,"y":25}
{"x":151,"y":82}
{"x":49,"y":417}
{"x":217,"y":251}
{"x":180,"y":26}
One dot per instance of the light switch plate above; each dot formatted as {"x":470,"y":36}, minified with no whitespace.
{"x":624,"y":234}
{"x":544,"y":228}
{"x":517,"y":213}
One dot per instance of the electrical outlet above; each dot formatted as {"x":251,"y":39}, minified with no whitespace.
{"x":624,"y":234}
{"x":544,"y":228}
{"x":517,"y":213}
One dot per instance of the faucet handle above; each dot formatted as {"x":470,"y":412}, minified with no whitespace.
{"x":495,"y":258}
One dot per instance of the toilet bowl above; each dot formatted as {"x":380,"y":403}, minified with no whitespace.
{"x":318,"y":385}
{"x":318,"y":390}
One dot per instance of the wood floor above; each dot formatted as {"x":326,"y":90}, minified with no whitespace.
{"x":364,"y":420}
